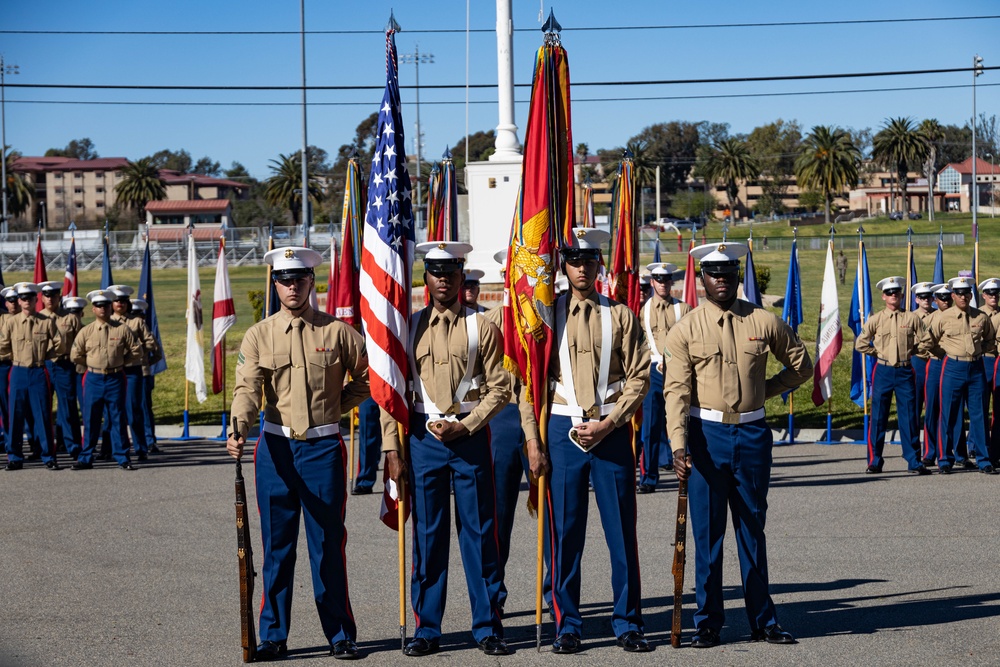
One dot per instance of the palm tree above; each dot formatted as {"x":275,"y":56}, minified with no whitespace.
{"x":933,"y":134}
{"x":140,"y":184}
{"x":18,"y":192}
{"x":828,"y":163}
{"x":284,"y":188}
{"x":898,"y":145}
{"x":730,"y":162}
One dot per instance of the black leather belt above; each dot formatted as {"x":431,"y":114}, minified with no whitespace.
{"x":41,"y":365}
{"x":902,"y":364}
{"x":104,"y":371}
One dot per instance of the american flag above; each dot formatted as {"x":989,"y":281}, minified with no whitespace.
{"x":69,"y":281}
{"x":387,"y":253}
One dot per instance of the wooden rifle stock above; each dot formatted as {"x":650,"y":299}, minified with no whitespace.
{"x":680,"y":558}
{"x":244,"y":550}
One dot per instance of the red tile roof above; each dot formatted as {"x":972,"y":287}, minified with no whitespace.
{"x":172,"y":177}
{"x":982,"y":167}
{"x":68,"y":164}
{"x":188,"y":206}
{"x":178,"y":233}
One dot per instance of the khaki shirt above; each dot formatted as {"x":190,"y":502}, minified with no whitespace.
{"x":994,"y":315}
{"x":69,"y":326}
{"x":4,"y":355}
{"x":29,"y":339}
{"x":494,"y":389}
{"x":924,"y":317}
{"x":151,"y":352}
{"x":662,"y":316}
{"x":105,"y":346}
{"x":518,"y":393}
{"x":964,"y":335}
{"x":891,"y":336}
{"x":629,"y":359}
{"x":693,"y":375}
{"x":333,"y":350}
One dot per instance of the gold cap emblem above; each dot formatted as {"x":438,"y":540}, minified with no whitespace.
{"x":442,"y":246}
{"x":722,"y":247}
{"x":580,"y":233}
{"x":289,"y":253}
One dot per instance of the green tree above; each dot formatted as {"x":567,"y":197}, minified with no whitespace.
{"x":692,"y":204}
{"x":284,"y":188}
{"x":19,"y":194}
{"x":811,"y":200}
{"x":828,"y":163}
{"x":206,"y":166}
{"x":140,"y":184}
{"x":78,"y":149}
{"x":898,"y":145}
{"x":237,"y":172}
{"x":179,"y":161}
{"x":730,"y":162}
{"x":933,"y":134}
{"x":775,"y":147}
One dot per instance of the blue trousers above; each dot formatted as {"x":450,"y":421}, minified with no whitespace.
{"x":369,"y":444}
{"x":148,"y":383}
{"x":919,"y":379}
{"x":610,"y":465}
{"x":434,"y":467}
{"x":731,"y":471}
{"x":654,"y":431}
{"x":63,"y":377}
{"x":30,"y":399}
{"x":306,"y":478}
{"x":100,"y":393}
{"x":887,"y":381}
{"x":135,"y":406}
{"x":962,"y":382}
{"x":932,"y":410}
{"x":5,"y":367}
{"x":510,"y":466}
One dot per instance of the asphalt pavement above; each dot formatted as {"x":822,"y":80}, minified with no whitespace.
{"x":108,"y":567}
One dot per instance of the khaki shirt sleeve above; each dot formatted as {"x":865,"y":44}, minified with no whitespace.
{"x":78,"y":354}
{"x":931,"y":338}
{"x":150,"y":350}
{"x":355,"y":358}
{"x":635,"y":362}
{"x":678,"y":379}
{"x":529,"y":425}
{"x":55,"y":340}
{"x":789,"y":350}
{"x":133,"y":346}
{"x":863,"y":343}
{"x":390,"y":431}
{"x":989,"y":337}
{"x":6,"y":347}
{"x":248,"y":389}
{"x":496,"y":393}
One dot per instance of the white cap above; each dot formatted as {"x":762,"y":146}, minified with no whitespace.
{"x":587,"y":239}
{"x":50,"y":286}
{"x":292,"y":260}
{"x":719,"y":253}
{"x":662,"y":269}
{"x":989,"y":283}
{"x":121,"y":290}
{"x":7,"y":292}
{"x":74,"y":302}
{"x":474,"y":275}
{"x":26,"y":288}
{"x":892,"y":282}
{"x":500,"y":257}
{"x":100,"y":296}
{"x":922,"y":288}
{"x":443,"y":251}
{"x":960,"y":283}
{"x":942,"y":288}
{"x":643,"y":278}
{"x":562,"y":284}
{"x":140,"y":305}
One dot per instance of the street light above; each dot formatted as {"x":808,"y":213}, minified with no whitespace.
{"x":416,"y":58}
{"x":4,"y":70}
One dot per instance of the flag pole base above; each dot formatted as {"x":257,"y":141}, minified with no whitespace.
{"x":222,"y":436}
{"x":402,"y":633}
{"x":538,"y":637}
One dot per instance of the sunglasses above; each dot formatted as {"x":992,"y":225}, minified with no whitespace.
{"x":103,"y":304}
{"x":962,"y":292}
{"x":923,"y":297}
{"x":892,"y":292}
{"x":991,"y":292}
{"x":662,"y":279}
{"x":943,"y":297}
{"x":286,"y":282}
{"x":25,"y":297}
{"x":12,"y":299}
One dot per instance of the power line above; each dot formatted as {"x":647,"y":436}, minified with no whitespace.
{"x":372,"y":103}
{"x":431,"y":31}
{"x":456,"y":86}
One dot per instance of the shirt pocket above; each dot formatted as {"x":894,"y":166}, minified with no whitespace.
{"x":704,"y":353}
{"x":278,"y":367}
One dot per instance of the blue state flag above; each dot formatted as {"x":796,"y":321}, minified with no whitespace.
{"x":861,"y":310}
{"x":146,"y":292}
{"x":750,"y":290}
{"x":791,"y":311}
{"x":656,"y":250}
{"x":939,"y":264}
{"x":911,"y":279}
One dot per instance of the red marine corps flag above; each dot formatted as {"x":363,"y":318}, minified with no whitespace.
{"x":223,"y":317}
{"x":625,"y":262}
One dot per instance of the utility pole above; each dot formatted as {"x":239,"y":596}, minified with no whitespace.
{"x":416,"y":58}
{"x":5,"y":69}
{"x":305,"y":143}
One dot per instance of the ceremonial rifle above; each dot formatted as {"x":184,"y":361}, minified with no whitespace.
{"x":680,"y":558}
{"x":244,"y":549}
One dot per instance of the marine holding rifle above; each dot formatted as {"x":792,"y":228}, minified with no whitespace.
{"x":300,"y":359}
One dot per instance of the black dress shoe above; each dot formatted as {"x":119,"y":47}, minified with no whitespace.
{"x":142,"y":456}
{"x":419,"y":646}
{"x":772,"y":634}
{"x":633,"y":642}
{"x":988,"y":470}
{"x":52,"y":465}
{"x":14,"y":465}
{"x":945,"y":470}
{"x":873,"y":470}
{"x":34,"y":456}
{"x":920,"y":470}
{"x":705,"y":638}
{"x":104,"y":457}
{"x":566,"y":643}
{"x":494,"y":645}
{"x":928,"y":462}
{"x":127,"y":466}
{"x":345,"y":649}
{"x":82,"y":466}
{"x":968,"y":465}
{"x":668,"y":467}
{"x":268,"y":651}
{"x":645,"y":488}
{"x":361,"y":490}
{"x":153,"y":449}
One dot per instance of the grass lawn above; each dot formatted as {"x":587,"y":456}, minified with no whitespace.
{"x":170,"y":288}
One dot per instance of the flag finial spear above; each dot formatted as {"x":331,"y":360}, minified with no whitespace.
{"x":725,"y":232}
{"x":447,"y":153}
{"x":861,"y":232}
{"x":795,"y":233}
{"x":909,"y":234}
{"x":551,"y":25}
{"x":833,"y":231}
{"x":72,"y":229}
{"x":392,"y":26}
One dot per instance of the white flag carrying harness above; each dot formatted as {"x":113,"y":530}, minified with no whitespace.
{"x":655,"y":355}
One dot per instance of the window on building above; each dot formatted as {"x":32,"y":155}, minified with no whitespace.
{"x":949,"y":181}
{"x":78,"y":175}
{"x":78,"y":205}
{"x":59,"y":191}
{"x":99,"y":174}
{"x":59,"y":204}
{"x":78,"y":191}
{"x":100,"y":190}
{"x":118,"y":174}
{"x":57,"y":175}
{"x":100,"y":204}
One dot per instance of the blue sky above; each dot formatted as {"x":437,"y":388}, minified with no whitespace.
{"x":255,"y":134}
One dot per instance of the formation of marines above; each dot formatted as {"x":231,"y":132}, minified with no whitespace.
{"x":98,"y":370}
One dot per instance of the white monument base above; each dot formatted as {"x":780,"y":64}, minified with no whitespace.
{"x":492,"y":190}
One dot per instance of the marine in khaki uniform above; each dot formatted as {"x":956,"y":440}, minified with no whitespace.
{"x":470,"y":290}
{"x":458,"y":385}
{"x":139,"y":308}
{"x":135,"y":391}
{"x":7,"y":308}
{"x":891,"y":336}
{"x":62,"y":371}
{"x":657,"y":316}
{"x":73,"y":306}
{"x":599,"y":374}
{"x":932,"y":380}
{"x":104,"y":347}
{"x":989,"y":291}
{"x":923,"y":294}
{"x":962,"y":335}
{"x":309,"y":368}
{"x":30,"y":339}
{"x":715,"y":385}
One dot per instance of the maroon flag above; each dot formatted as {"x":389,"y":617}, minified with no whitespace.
{"x":223,"y":317}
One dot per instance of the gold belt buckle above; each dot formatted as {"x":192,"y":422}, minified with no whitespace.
{"x":294,"y":435}
{"x":592,"y":413}
{"x":454,"y":409}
